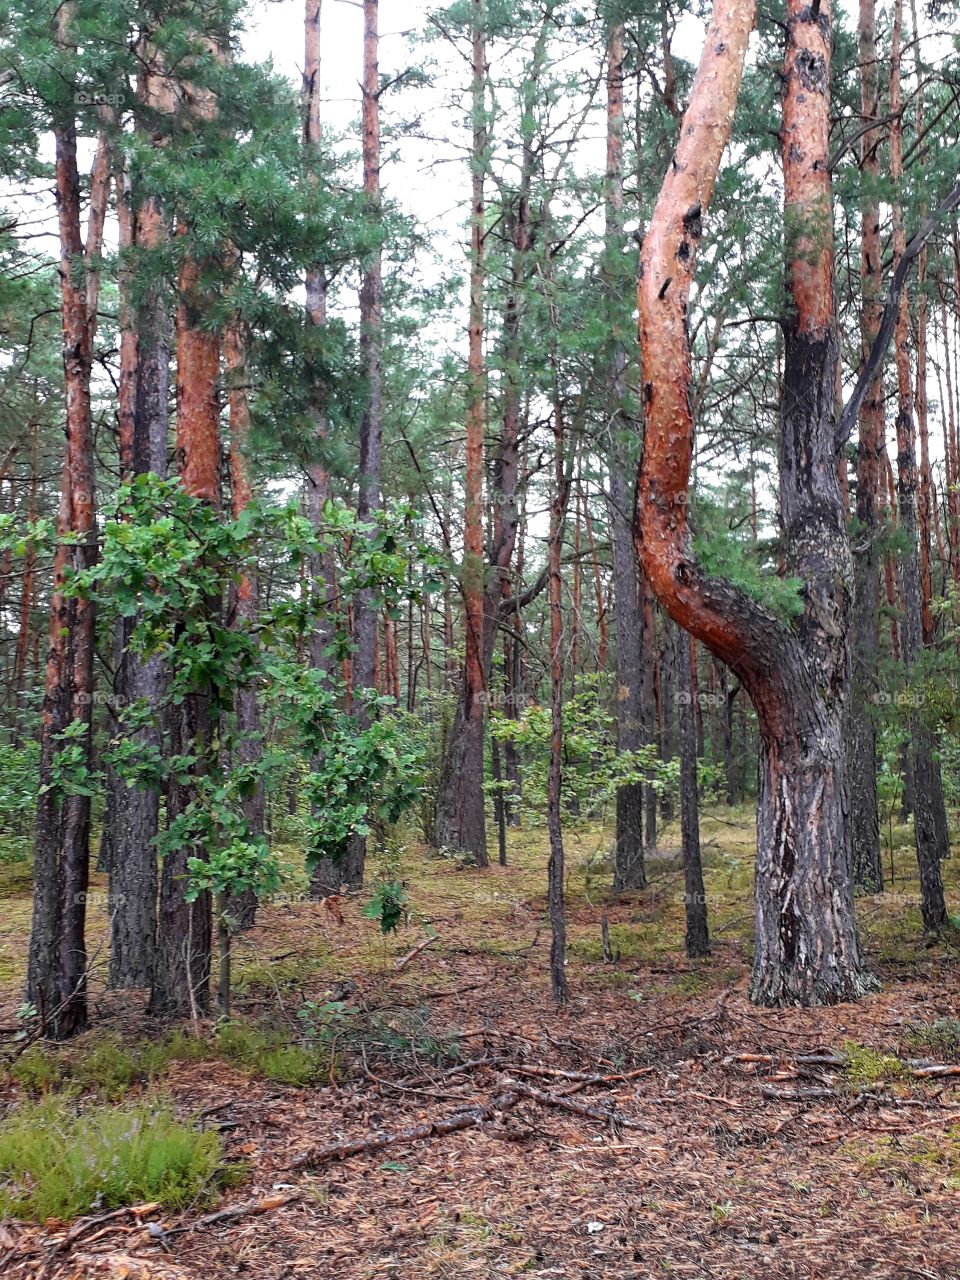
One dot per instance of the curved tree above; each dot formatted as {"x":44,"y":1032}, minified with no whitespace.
{"x":797,"y":676}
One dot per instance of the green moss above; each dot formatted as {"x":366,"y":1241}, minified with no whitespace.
{"x":868,"y":1067}
{"x":108,"y":1067}
{"x":266,"y":1051}
{"x":57,"y":1162}
{"x":254,"y":977}
{"x":688,"y":984}
{"x":928,"y":1160}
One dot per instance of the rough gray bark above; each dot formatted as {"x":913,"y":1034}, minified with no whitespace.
{"x":132,"y":817}
{"x":861,"y":737}
{"x":629,"y":871}
{"x":697,"y":940}
{"x":181,"y":976}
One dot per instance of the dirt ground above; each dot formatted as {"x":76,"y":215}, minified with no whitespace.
{"x":658,"y":1125}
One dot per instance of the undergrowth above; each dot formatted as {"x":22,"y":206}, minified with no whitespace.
{"x":58,"y":1162}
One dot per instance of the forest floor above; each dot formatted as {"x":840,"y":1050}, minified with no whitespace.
{"x":657,"y":1125}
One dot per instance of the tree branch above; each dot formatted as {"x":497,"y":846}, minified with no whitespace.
{"x":888,"y":322}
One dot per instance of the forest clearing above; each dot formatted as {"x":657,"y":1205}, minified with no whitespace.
{"x":717,"y":1142}
{"x":479,"y":639}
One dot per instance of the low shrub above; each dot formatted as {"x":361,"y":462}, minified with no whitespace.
{"x":58,"y":1162}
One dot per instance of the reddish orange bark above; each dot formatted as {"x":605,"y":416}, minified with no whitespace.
{"x":127,"y":385}
{"x":198,"y":406}
{"x":667,"y":262}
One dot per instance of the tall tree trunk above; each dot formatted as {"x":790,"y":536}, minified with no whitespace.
{"x":926,"y":506}
{"x":461,"y":822}
{"x":950,"y":452}
{"x":371,"y":426}
{"x":132,"y":813}
{"x":929,"y":827}
{"x":181,"y":981}
{"x":648,"y":668}
{"x":629,"y":871}
{"x":325,"y":875}
{"x":27,"y":592}
{"x":807,"y":951}
{"x":57,"y":963}
{"x":555,"y":866}
{"x":860,"y":734}
{"x":697,"y":939}
{"x":242,"y":907}
{"x":728,"y":694}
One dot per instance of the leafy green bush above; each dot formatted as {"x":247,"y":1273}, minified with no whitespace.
{"x":57,"y":1162}
{"x":19,"y":780}
{"x":593,"y":768}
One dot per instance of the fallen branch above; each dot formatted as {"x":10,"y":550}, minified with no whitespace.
{"x":797,"y":1095}
{"x":412,"y":955}
{"x":584,"y":1077}
{"x":837,"y":1061}
{"x":577,"y":1108}
{"x":248,"y":1209}
{"x":467,"y":1118}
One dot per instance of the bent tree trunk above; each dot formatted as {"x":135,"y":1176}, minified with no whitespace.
{"x":807,"y":951}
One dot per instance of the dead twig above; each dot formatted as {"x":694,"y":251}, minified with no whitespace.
{"x":248,"y":1209}
{"x":412,"y":955}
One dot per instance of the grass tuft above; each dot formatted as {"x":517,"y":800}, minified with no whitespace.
{"x":58,"y":1162}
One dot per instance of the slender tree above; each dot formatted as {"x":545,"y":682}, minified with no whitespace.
{"x":249,"y":746}
{"x":371,"y":426}
{"x":325,"y":878}
{"x":555,"y":866}
{"x":628,"y":863}
{"x":461,"y":821}
{"x":926,"y":797}
{"x":694,"y":895}
{"x":861,"y":737}
{"x":57,"y":966}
